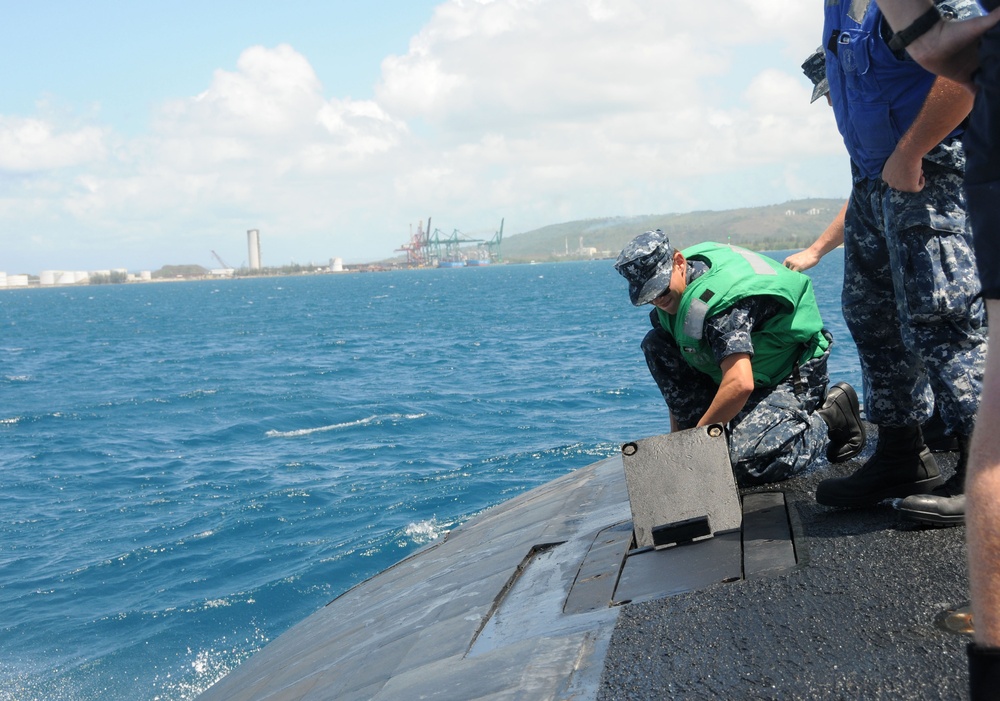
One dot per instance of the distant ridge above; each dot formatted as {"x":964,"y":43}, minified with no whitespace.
{"x":792,"y":224}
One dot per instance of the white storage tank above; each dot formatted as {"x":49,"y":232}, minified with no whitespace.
{"x":17,"y":281}
{"x":3,"y":279}
{"x":47,"y":277}
{"x":337,"y":265}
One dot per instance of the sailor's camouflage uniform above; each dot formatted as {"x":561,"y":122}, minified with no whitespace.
{"x":912,"y":298}
{"x":777,"y":433}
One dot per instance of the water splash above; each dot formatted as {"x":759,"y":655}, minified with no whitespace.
{"x":378,"y":420}
{"x":423,"y":532}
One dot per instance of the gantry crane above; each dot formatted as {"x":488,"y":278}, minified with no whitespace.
{"x":416,"y":247}
{"x":434,"y":247}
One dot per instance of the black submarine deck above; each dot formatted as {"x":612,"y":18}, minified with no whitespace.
{"x":547,"y":596}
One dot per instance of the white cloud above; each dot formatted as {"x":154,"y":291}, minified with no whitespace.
{"x":272,"y":92}
{"x":533,"y":110}
{"x":358,"y":128}
{"x":783,"y":127}
{"x":29,"y":145}
{"x":611,"y":107}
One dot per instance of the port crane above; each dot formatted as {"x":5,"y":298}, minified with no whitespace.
{"x":416,"y":247}
{"x":221,"y":262}
{"x":432,"y":246}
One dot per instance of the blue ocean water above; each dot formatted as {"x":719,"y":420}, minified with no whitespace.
{"x":190,"y":468}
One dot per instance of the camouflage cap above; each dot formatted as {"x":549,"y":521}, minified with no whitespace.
{"x":646,"y":262}
{"x":815,"y":70}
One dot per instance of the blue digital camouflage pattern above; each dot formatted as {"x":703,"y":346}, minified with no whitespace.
{"x":646,"y":262}
{"x":777,"y":434}
{"x":815,"y":69}
{"x":912,"y":298}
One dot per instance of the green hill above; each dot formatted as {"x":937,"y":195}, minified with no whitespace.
{"x":793,"y":224}
{"x":171,"y":272}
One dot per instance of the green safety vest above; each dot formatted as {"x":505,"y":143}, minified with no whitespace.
{"x":780,"y":344}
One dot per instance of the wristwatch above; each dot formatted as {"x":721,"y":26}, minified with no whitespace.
{"x":921,"y":25}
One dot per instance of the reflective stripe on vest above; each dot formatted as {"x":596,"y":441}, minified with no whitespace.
{"x":780,"y":343}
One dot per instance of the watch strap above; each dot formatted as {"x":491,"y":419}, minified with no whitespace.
{"x":920,"y":26}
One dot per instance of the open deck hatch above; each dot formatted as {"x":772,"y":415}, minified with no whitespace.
{"x":691,"y":529}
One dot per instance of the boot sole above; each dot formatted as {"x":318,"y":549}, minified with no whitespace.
{"x":932,"y":519}
{"x":897,"y":491}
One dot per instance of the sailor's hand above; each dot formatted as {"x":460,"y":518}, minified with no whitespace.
{"x":951,"y":49}
{"x":803,"y":260}
{"x":903,"y":172}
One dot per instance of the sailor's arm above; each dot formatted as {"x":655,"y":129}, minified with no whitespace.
{"x":831,"y":237}
{"x":948,"y":48}
{"x":982,"y":485}
{"x":947,"y":104}
{"x":734,"y":390}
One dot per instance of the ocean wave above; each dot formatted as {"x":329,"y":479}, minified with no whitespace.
{"x":199,"y":393}
{"x":423,"y":532}
{"x":376,"y":419}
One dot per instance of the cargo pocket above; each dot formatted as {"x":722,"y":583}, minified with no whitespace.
{"x":939,"y":274}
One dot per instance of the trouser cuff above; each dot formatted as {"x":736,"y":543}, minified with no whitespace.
{"x":984,"y":672}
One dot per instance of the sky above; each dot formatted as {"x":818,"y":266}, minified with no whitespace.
{"x":141,"y":134}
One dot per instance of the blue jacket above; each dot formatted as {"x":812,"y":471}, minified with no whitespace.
{"x":876,"y":96}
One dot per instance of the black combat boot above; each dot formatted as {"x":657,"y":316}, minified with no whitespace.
{"x":984,"y":672}
{"x":945,"y":505}
{"x":842,"y":415}
{"x":902,"y":465}
{"x":936,"y":435}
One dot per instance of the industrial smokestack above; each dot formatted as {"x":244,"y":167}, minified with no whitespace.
{"x":253,"y":243}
